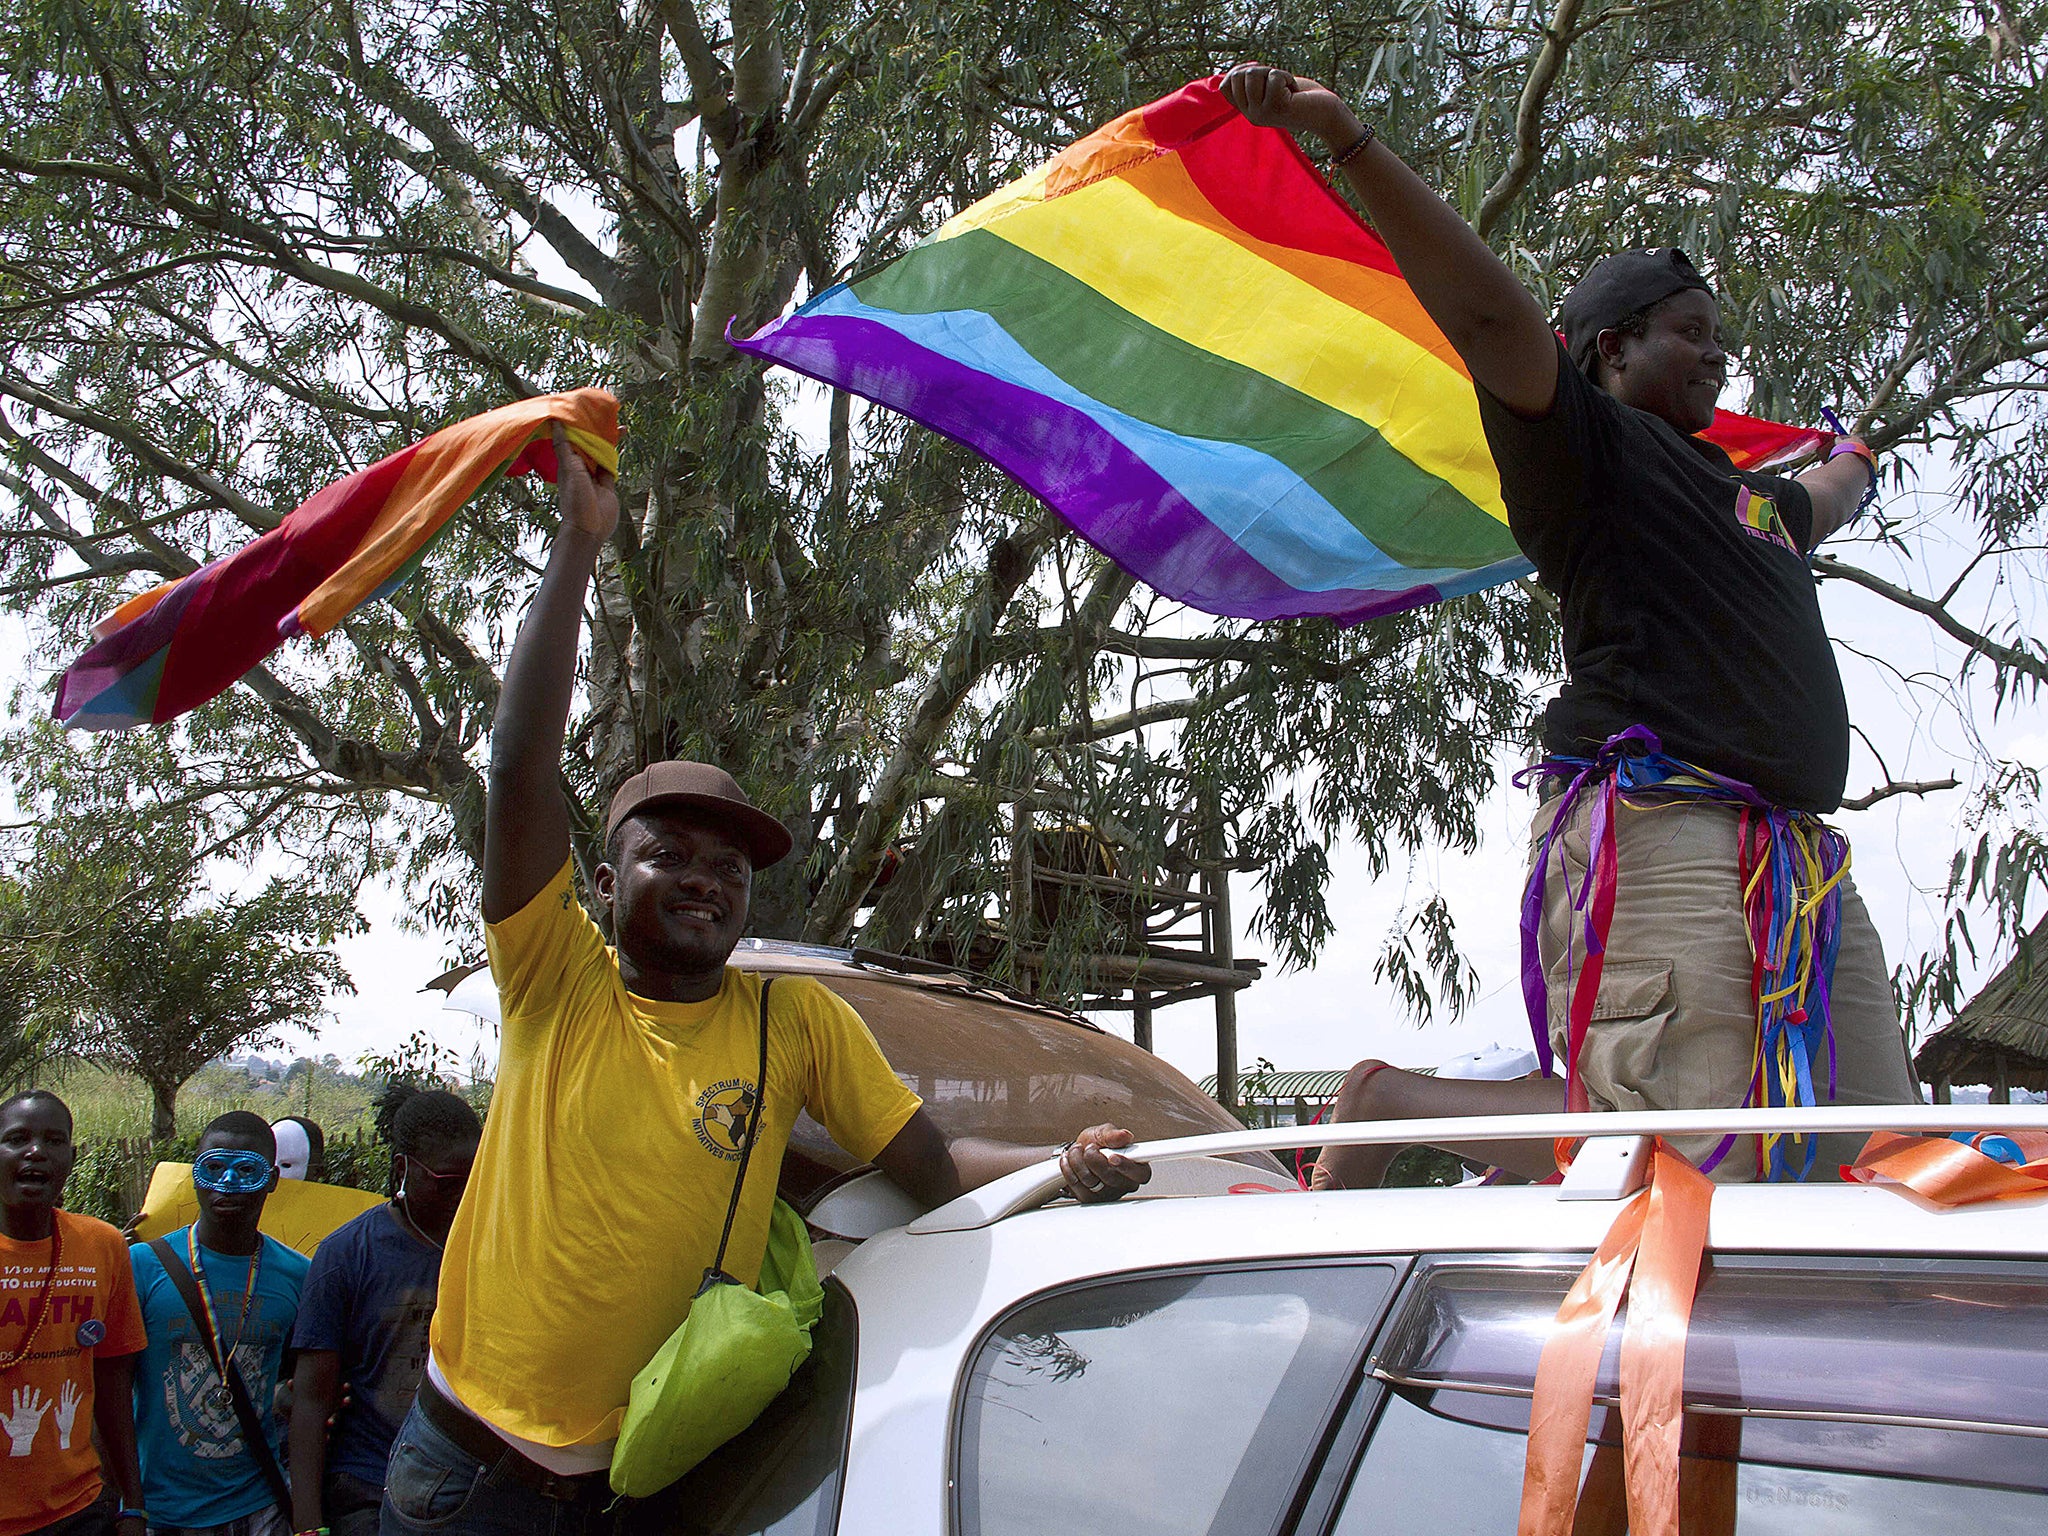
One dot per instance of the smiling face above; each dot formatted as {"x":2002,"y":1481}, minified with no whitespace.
{"x":678,"y":898}
{"x":36,"y":1155}
{"x":1677,"y":368}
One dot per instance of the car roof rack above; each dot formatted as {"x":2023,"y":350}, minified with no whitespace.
{"x":1029,"y":1188}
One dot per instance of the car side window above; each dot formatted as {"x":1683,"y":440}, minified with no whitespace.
{"x":1164,"y":1406}
{"x":1891,"y":1397}
{"x":780,"y":1476}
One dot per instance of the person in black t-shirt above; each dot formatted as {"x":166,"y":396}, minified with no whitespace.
{"x":1689,"y":610}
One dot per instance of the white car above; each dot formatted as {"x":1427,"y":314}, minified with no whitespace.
{"x":1359,"y":1363}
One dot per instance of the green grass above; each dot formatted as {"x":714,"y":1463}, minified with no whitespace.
{"x":113,"y":1105}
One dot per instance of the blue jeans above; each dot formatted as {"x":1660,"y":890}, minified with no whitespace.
{"x":434,"y":1486}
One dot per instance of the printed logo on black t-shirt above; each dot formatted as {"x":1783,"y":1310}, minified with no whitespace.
{"x":1758,"y":515}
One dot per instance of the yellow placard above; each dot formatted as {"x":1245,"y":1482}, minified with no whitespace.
{"x":297,"y":1214}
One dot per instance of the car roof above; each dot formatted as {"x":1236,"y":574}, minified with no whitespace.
{"x":987,"y":1061}
{"x":1035,"y":1247}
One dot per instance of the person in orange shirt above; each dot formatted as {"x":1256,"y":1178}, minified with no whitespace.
{"x":69,"y":1333}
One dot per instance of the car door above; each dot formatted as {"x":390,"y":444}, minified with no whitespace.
{"x":1824,"y":1395}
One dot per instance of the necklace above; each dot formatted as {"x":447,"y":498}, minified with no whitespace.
{"x":43,"y":1306}
{"x":223,"y":1359}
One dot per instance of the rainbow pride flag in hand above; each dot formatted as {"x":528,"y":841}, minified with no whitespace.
{"x":176,"y":646}
{"x":1178,"y":336}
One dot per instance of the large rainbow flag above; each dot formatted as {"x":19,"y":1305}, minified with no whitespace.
{"x":1178,"y":336}
{"x":178,"y":645}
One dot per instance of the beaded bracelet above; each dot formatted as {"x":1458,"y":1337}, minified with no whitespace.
{"x":1355,"y":148}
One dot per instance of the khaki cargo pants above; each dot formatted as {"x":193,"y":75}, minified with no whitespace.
{"x":1674,"y":1025}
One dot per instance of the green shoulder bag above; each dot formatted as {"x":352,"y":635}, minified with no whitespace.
{"x":735,"y":1351}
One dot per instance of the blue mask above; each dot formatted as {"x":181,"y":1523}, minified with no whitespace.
{"x":230,"y":1171}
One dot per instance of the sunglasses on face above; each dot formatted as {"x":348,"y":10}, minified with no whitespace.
{"x":414,"y":1165}
{"x":229,"y":1171}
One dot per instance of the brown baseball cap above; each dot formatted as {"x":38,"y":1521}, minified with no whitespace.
{"x":709,"y":789}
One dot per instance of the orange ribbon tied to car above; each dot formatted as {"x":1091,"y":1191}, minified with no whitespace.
{"x":1957,"y":1170}
{"x":1652,"y":1255}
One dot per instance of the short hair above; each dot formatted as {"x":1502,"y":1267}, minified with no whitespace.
{"x":435,"y":1117}
{"x":243,"y":1122}
{"x":38,"y":1096}
{"x":411,"y":1118}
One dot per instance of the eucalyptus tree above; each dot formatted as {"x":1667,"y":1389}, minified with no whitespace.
{"x":245,"y":247}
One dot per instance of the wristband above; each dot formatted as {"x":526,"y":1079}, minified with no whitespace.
{"x":132,"y":1514}
{"x":1844,"y":443}
{"x":1355,"y":148}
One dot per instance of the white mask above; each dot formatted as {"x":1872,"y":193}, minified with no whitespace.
{"x":294,"y":1150}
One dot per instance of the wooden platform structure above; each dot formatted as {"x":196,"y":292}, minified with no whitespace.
{"x":2000,"y":1037}
{"x":1083,"y":919}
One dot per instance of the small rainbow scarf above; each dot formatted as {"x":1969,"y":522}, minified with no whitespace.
{"x":178,"y":645}
{"x":1180,"y":338}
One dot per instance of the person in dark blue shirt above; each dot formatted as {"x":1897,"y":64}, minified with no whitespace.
{"x":364,"y":1317}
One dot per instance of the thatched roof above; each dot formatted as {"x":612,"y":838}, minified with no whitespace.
{"x":2007,"y":1021}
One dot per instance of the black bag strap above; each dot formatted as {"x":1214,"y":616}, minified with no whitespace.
{"x":238,"y":1392}
{"x":716,"y":1274}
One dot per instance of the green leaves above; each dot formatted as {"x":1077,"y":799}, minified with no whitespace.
{"x":246,"y":248}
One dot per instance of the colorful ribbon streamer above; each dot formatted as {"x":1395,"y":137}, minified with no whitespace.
{"x":178,"y":645}
{"x":1791,"y":866}
{"x":1957,"y":1170}
{"x":1652,"y":1254}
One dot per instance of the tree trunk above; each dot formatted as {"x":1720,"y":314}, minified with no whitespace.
{"x":163,"y":1109}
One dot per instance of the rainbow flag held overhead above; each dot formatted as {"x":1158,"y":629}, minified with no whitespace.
{"x":178,"y":645}
{"x":1179,"y":337}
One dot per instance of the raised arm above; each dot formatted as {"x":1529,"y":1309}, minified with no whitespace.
{"x":1494,"y":322}
{"x":526,"y":820}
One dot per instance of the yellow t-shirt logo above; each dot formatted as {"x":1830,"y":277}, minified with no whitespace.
{"x":724,"y":1111}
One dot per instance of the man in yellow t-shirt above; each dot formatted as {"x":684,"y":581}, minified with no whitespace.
{"x":627,"y":1077}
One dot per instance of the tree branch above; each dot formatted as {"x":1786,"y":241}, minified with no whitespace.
{"x":2001,"y":655}
{"x":1193,"y":707}
{"x":1528,"y":152}
{"x":1864,"y":802}
{"x":151,"y":453}
{"x":279,"y":255}
{"x":1011,"y":560}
